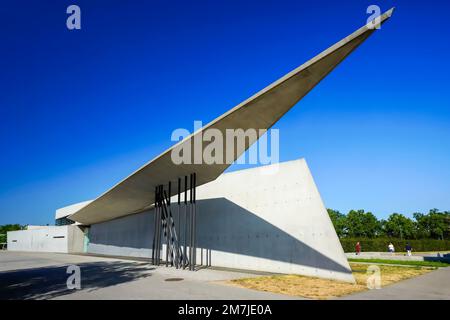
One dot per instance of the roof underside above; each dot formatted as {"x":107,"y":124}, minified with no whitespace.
{"x":261,"y":111}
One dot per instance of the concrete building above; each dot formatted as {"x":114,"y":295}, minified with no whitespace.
{"x":255,"y":219}
{"x":63,"y":239}
{"x":248,"y":219}
{"x":268,"y":218}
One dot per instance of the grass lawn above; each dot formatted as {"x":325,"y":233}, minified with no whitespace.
{"x":316,"y":288}
{"x":403,"y":262}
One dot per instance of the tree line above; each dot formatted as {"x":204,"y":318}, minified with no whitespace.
{"x":360,"y":224}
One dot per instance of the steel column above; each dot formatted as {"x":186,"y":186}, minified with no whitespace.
{"x":194,"y":222}
{"x":180,"y":248}
{"x":179,"y":257}
{"x":185,"y":223}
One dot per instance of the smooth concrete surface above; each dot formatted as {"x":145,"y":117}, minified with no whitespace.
{"x":43,"y":276}
{"x":34,"y":227}
{"x":63,"y":239}
{"x":71,"y":209}
{"x":261,"y":111}
{"x":266,"y":219}
{"x":431,"y":286}
{"x":75,"y":239}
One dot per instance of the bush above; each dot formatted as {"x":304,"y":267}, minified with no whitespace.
{"x":380,"y":244}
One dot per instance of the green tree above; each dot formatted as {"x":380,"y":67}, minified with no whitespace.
{"x":339,"y":222}
{"x":399,"y":226}
{"x":8,"y":227}
{"x":362,"y":224}
{"x":447,"y":222}
{"x":434,"y":225}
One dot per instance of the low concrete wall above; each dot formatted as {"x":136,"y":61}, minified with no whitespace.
{"x":63,"y":239}
{"x":45,"y":239}
{"x":268,"y":219}
{"x":400,"y":257}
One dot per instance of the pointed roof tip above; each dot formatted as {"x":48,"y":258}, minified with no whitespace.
{"x":380,"y":19}
{"x":390,"y":12}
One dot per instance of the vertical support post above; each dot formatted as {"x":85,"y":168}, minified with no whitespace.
{"x":180,"y":250}
{"x":179,"y":254}
{"x":171,"y":231}
{"x":169,"y":234}
{"x":191,"y":206}
{"x":194,"y":222}
{"x":158,"y":227}
{"x":185,"y":223}
{"x":154,"y":233}
{"x":161,"y":224}
{"x":166,"y":231}
{"x":158,"y":222}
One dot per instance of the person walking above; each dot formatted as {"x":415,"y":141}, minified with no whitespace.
{"x":358,"y":248}
{"x":408,"y":249}
{"x":391,"y":248}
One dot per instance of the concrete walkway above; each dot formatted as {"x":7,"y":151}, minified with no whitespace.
{"x":431,"y":286}
{"x":417,"y":256}
{"x":26,"y":275}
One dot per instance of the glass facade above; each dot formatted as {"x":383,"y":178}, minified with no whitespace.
{"x":63,"y":222}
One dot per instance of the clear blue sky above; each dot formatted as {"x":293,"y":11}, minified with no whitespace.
{"x":80,"y":110}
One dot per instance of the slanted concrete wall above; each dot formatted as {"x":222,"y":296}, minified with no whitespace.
{"x":268,"y":219}
{"x":128,"y":236}
{"x":64,"y":239}
{"x":68,"y":210}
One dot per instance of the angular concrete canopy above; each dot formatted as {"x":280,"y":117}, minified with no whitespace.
{"x":261,"y":111}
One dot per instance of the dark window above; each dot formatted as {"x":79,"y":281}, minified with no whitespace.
{"x":63,"y":222}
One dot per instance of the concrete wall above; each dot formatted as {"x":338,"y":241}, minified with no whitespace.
{"x":75,"y":239}
{"x":31,"y":227}
{"x":64,"y":239}
{"x":128,"y":236}
{"x":269,"y":219}
{"x":45,"y":239}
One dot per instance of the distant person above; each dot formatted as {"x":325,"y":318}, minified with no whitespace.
{"x":391,"y":248}
{"x":408,"y":249}
{"x":358,"y":248}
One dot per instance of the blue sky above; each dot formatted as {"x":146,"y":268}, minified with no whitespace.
{"x":80,"y":110}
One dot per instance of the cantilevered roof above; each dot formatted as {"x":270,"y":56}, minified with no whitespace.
{"x":261,"y":111}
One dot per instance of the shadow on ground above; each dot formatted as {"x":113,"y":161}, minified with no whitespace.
{"x":50,"y":282}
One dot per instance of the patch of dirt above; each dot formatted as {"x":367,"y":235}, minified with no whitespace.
{"x":317,"y":288}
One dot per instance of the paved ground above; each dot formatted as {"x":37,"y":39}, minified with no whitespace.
{"x":43,"y":276}
{"x":431,"y":286}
